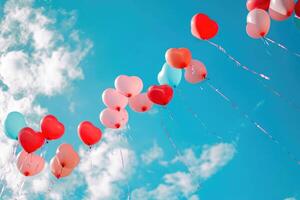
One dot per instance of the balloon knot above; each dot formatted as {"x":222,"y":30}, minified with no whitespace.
{"x":118,"y":108}
{"x":26,"y":173}
{"x":144,"y":108}
{"x":129,"y":95}
{"x":117,"y":125}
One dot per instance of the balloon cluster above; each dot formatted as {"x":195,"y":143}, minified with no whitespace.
{"x":260,"y":12}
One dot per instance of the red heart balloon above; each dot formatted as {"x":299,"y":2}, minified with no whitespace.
{"x":178,"y":57}
{"x":260,"y":4}
{"x":52,"y":129}
{"x":297,"y":8}
{"x":161,"y":94}
{"x":88,"y":133}
{"x":30,"y":140}
{"x":203,"y":27}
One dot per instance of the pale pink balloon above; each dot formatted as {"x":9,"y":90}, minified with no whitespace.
{"x":57,"y":170}
{"x":140,"y":103}
{"x":195,"y":72}
{"x":258,"y":23}
{"x":281,"y":9}
{"x":30,"y":164}
{"x":114,"y":119}
{"x":128,"y":85}
{"x":114,"y":100}
{"x":67,"y":156}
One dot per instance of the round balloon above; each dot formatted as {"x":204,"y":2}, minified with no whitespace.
{"x":140,"y":103}
{"x":67,"y":156}
{"x":88,"y":133}
{"x":13,"y":123}
{"x":30,"y":164}
{"x":128,"y":85}
{"x":258,"y":23}
{"x":281,"y":9}
{"x":169,"y":75}
{"x":195,"y":72}
{"x":114,"y":100}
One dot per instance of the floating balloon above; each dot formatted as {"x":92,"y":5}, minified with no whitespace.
{"x":67,"y":156}
{"x":114,"y":119}
{"x":52,"y":129}
{"x":113,"y":99}
{"x":140,"y":103}
{"x":281,"y":9}
{"x":57,"y":170}
{"x":195,"y":72}
{"x":261,"y":4}
{"x":297,"y":9}
{"x":203,"y":27}
{"x":169,"y":75}
{"x":161,"y":94}
{"x":30,"y":164}
{"x":128,"y":85}
{"x":31,"y":140}
{"x":13,"y":123}
{"x":88,"y":133}
{"x":258,"y":23}
{"x":178,"y":57}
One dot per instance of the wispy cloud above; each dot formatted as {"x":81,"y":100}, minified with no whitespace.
{"x":152,"y":154}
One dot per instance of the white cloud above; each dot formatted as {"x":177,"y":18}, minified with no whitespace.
{"x":152,"y":154}
{"x":181,"y":184}
{"x":290,"y":198}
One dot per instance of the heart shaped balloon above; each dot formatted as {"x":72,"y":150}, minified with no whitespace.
{"x":30,"y":164}
{"x":52,"y":129}
{"x":140,"y":103}
{"x":128,"y":85}
{"x":203,"y":27}
{"x":57,"y":170}
{"x":88,"y":133}
{"x":281,"y":9}
{"x":67,"y":156}
{"x":297,"y":9}
{"x":30,"y":140}
{"x":114,"y":119}
{"x":113,"y":99}
{"x":195,"y":72}
{"x":178,"y":57}
{"x":261,"y":4}
{"x":160,"y":94}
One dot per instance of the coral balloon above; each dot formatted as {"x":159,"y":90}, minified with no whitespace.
{"x":67,"y":156}
{"x":57,"y":170}
{"x":140,"y":103}
{"x":178,"y":57}
{"x":30,"y":164}
{"x":195,"y":72}
{"x":88,"y":133}
{"x":52,"y":129}
{"x":258,"y":23}
{"x":114,"y":119}
{"x":13,"y":123}
{"x":169,"y":76}
{"x":202,"y":27}
{"x":113,"y":99}
{"x":30,"y":140}
{"x":261,"y":4}
{"x":161,"y":94}
{"x":297,"y":9}
{"x":281,"y":9}
{"x":128,"y":85}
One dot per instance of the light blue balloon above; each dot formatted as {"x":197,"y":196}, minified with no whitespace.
{"x":169,"y":75}
{"x":297,"y":21}
{"x":13,"y":123}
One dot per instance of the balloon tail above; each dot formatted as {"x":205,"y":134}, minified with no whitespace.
{"x":220,"y":48}
{"x":281,"y":46}
{"x":90,"y":155}
{"x":123,"y":167}
{"x":256,"y":124}
{"x":196,"y":116}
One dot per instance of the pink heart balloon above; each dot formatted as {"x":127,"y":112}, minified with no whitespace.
{"x":128,"y":85}
{"x":30,"y":164}
{"x":258,"y":23}
{"x":114,"y":100}
{"x":57,"y":170}
{"x":67,"y":156}
{"x":281,"y":9}
{"x":195,"y":72}
{"x":140,"y":103}
{"x":114,"y":119}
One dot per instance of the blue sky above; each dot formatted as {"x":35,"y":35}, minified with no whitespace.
{"x":130,"y":37}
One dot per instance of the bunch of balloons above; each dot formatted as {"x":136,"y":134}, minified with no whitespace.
{"x":260,"y":12}
{"x":64,"y":162}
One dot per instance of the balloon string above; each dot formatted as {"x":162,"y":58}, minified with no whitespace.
{"x":281,"y":46}
{"x":123,"y":167}
{"x":256,"y":124}
{"x":196,"y":116}
{"x":19,"y":193}
{"x":220,"y":48}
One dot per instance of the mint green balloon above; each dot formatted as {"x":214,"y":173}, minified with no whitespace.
{"x":13,"y":123}
{"x":169,"y":75}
